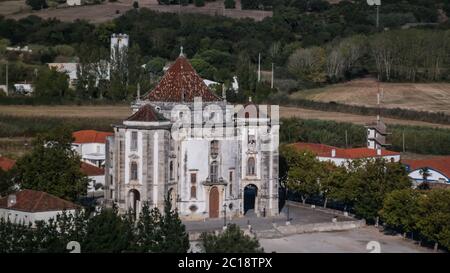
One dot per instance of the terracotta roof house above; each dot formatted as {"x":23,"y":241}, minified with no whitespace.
{"x":6,"y":164}
{"x":28,"y":206}
{"x":436,"y":170}
{"x":340,"y":156}
{"x":90,"y":136}
{"x":96,"y":176}
{"x":90,"y":145}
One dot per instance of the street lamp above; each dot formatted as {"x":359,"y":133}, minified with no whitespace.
{"x":224,"y":214}
{"x":378,"y":4}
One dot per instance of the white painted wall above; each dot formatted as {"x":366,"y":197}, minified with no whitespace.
{"x":343,"y":161}
{"x":98,"y":179}
{"x":435,"y":176}
{"x":16,"y":216}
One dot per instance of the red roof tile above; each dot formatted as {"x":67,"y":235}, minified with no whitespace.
{"x":181,"y":83}
{"x":90,"y":136}
{"x":91,"y":170}
{"x":353,"y":153}
{"x":37,"y":201}
{"x":440,"y":164}
{"x":6,"y":164}
{"x":146,"y":113}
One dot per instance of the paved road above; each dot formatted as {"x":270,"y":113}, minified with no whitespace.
{"x":349,"y":241}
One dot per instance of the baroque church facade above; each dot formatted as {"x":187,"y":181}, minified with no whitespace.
{"x":210,"y":158}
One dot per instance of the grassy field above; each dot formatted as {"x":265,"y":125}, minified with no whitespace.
{"x":432,"y":97}
{"x":108,"y":11}
{"x":120,"y":112}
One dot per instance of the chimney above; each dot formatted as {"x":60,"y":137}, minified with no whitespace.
{"x":12,"y":200}
{"x":333,"y":153}
{"x":378,"y":151}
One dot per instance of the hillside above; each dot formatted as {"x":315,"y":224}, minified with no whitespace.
{"x":433,"y":97}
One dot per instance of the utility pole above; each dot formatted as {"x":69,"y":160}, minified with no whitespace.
{"x":273,"y":71}
{"x":346,"y":139}
{"x":7,"y":82}
{"x":404,"y":150}
{"x":259,"y":67}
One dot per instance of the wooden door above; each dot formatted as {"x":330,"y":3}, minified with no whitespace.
{"x":214,"y":203}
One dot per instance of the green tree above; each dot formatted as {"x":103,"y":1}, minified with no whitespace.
{"x":52,"y":166}
{"x":108,"y":232}
{"x":199,"y":3}
{"x":51,"y":83}
{"x":303,"y":173}
{"x":373,"y":180}
{"x":400,"y":210}
{"x":148,"y":230}
{"x":37,"y":4}
{"x":230,"y":4}
{"x":232,"y":240}
{"x":6,"y":182}
{"x":173,"y":232}
{"x":434,"y":216}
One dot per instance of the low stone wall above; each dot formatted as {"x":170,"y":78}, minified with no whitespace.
{"x":320,"y":227}
{"x":322,"y":209}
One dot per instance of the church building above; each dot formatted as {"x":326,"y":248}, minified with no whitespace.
{"x":183,"y":143}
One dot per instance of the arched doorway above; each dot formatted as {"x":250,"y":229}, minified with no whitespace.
{"x":214,"y":203}
{"x":134,"y":198}
{"x":250,"y":193}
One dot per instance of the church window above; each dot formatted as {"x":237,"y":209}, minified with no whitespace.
{"x":193,"y":178}
{"x":193,"y":192}
{"x":171,"y":170}
{"x":251,"y":166}
{"x":134,"y":141}
{"x":214,"y":170}
{"x":231,"y":182}
{"x":134,"y":171}
{"x":214,"y":148}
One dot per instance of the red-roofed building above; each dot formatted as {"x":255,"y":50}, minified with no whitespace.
{"x":341,"y":156}
{"x":96,"y":176}
{"x":436,"y":170}
{"x":90,"y":145}
{"x":28,"y":206}
{"x":6,"y":164}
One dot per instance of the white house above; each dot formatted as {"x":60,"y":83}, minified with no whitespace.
{"x":24,"y":88}
{"x":74,"y":3}
{"x":96,"y":177}
{"x":434,"y":170}
{"x":70,"y":69}
{"x":340,"y":156}
{"x":90,"y":145}
{"x":28,"y":206}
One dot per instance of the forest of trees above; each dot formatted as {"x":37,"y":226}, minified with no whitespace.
{"x":309,"y":41}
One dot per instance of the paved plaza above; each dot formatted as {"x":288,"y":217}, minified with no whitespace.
{"x":348,"y":241}
{"x":345,"y":241}
{"x":297,"y":216}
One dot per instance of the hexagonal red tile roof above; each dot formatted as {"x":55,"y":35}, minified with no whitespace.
{"x":181,"y":83}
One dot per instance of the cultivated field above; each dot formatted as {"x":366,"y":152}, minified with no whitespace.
{"x":123,"y":111}
{"x":13,"y":7}
{"x":433,"y":97}
{"x":108,"y":11}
